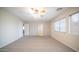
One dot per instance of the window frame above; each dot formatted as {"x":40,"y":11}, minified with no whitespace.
{"x":59,"y":29}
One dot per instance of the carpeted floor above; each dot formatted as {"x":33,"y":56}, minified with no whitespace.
{"x":36,"y":44}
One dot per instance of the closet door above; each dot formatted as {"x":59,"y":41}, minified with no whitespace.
{"x":40,"y":29}
{"x":33,"y":29}
{"x":26,"y":30}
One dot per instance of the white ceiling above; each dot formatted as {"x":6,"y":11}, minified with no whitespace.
{"x":23,"y":13}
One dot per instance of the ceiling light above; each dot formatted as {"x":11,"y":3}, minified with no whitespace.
{"x":38,"y":11}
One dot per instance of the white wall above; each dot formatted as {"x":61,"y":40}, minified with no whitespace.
{"x":66,"y":38}
{"x":10,"y":28}
{"x":33,"y":28}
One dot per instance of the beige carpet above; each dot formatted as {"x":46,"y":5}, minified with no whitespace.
{"x":36,"y":44}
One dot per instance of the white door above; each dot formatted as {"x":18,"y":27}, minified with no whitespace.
{"x":40,"y":29}
{"x":26,"y":30}
{"x":33,"y":29}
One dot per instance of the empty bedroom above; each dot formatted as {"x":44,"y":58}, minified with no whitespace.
{"x":39,"y":29}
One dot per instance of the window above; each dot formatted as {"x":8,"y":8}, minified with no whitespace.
{"x":71,"y":26}
{"x":75,"y":17}
{"x":56,"y":26}
{"x":60,"y":26}
{"x":74,"y":24}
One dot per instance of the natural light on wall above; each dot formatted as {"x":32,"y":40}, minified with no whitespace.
{"x":37,"y":12}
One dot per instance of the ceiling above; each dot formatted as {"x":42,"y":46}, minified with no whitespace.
{"x":23,"y":13}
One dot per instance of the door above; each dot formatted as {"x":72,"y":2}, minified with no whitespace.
{"x":26,"y":29}
{"x":33,"y":29}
